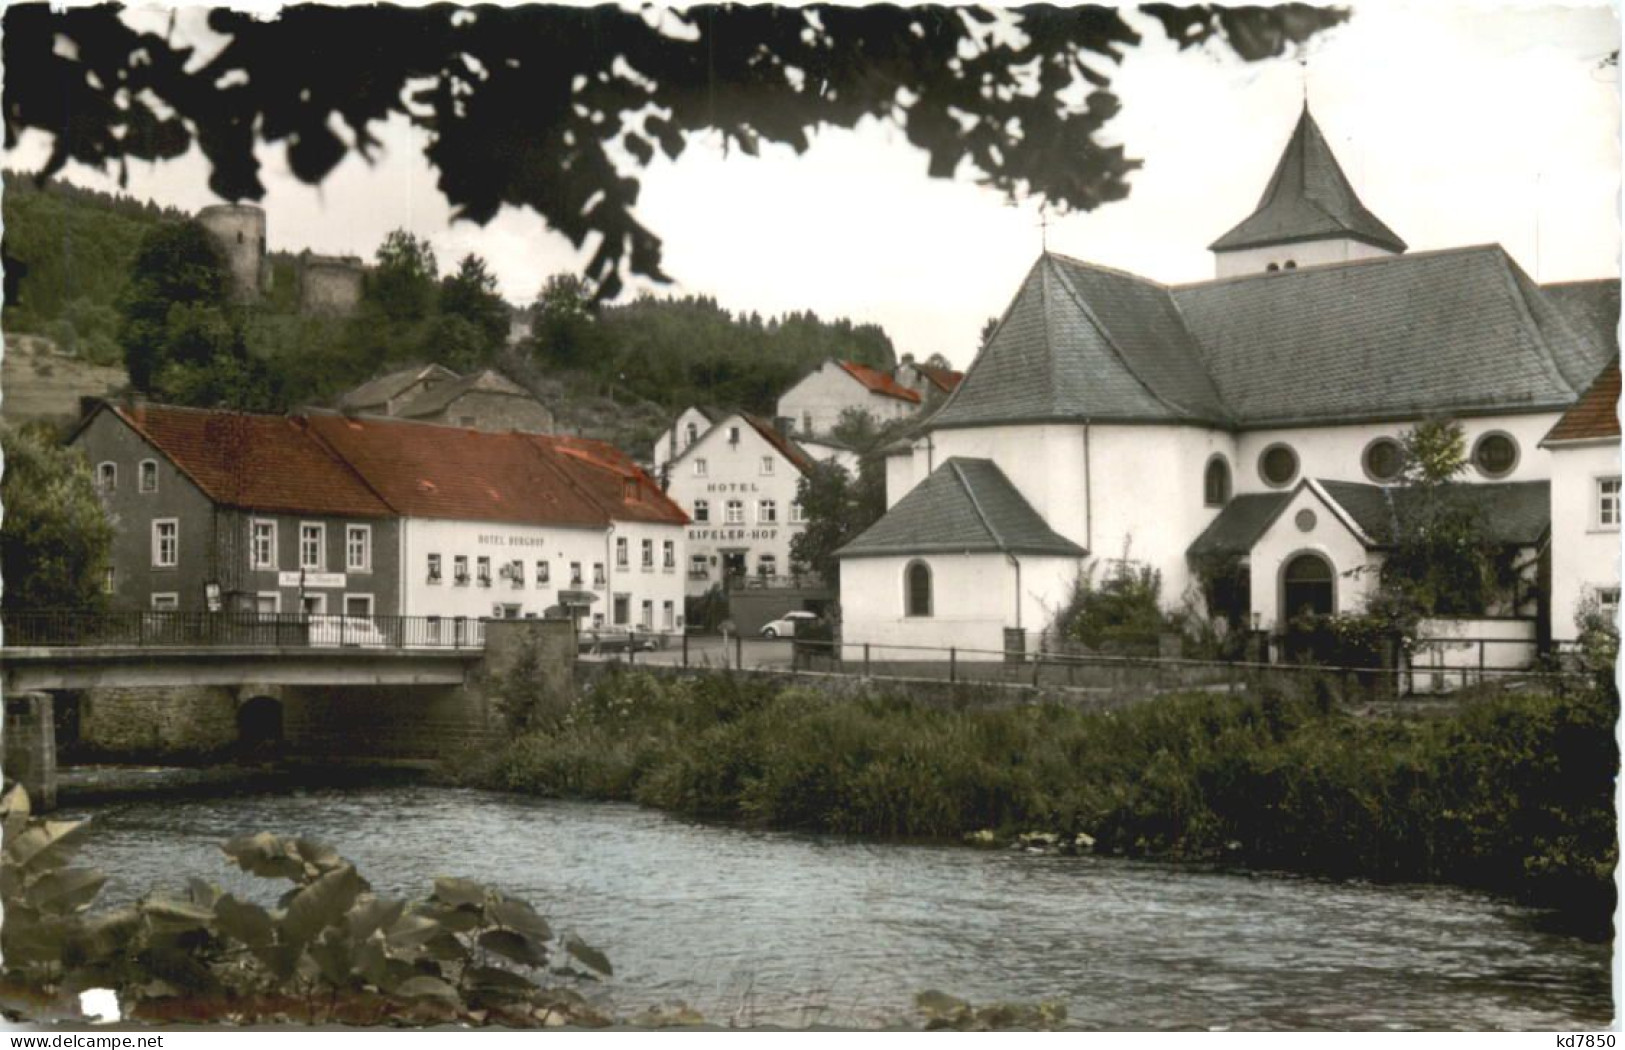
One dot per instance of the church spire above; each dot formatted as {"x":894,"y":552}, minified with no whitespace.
{"x":1308,"y":199}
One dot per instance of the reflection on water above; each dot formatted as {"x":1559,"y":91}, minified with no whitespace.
{"x":767,"y":928}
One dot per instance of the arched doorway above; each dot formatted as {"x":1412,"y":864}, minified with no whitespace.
{"x":259,"y":726}
{"x":1308,"y":585}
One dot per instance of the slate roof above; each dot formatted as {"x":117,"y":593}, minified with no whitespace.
{"x":1513,"y":513}
{"x":878,"y":382}
{"x":1592,"y":308}
{"x":1595,"y":416}
{"x":1308,"y":198}
{"x":436,"y":398}
{"x":1240,"y":524}
{"x":387,"y":387}
{"x":966,"y":506}
{"x":254,"y":462}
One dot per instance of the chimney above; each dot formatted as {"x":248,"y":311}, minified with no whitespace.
{"x":784,"y":425}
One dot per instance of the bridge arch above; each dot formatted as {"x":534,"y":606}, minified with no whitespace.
{"x":260,"y":721}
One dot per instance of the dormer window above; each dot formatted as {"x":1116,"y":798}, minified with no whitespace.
{"x":629,"y":490}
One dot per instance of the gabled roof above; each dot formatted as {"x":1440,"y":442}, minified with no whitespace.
{"x":388,"y":387}
{"x":797,"y":456}
{"x":1592,"y":308}
{"x":1595,"y":416}
{"x":253,"y":462}
{"x":966,"y":506}
{"x":1512,"y":513}
{"x":621,"y":488}
{"x":945,"y":380}
{"x":1308,"y":198}
{"x":878,"y":382}
{"x":436,"y":398}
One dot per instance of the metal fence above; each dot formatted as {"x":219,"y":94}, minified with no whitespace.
{"x":240,"y":629}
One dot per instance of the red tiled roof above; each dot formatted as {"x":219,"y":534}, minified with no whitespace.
{"x":879,"y":382}
{"x":427,"y":471}
{"x":265,"y":463}
{"x":1593,"y":416}
{"x":944,"y":379}
{"x":604,"y":472}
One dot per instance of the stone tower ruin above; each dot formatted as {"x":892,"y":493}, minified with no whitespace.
{"x":329,"y":284}
{"x":239,"y":229}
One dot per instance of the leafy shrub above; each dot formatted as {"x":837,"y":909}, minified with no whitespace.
{"x":1120,"y":613}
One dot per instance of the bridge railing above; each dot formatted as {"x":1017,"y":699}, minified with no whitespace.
{"x":240,"y":629}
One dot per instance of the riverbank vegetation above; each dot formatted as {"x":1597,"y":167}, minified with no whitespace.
{"x":1513,"y":793}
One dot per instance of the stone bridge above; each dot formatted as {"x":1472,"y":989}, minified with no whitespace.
{"x":190,"y":702}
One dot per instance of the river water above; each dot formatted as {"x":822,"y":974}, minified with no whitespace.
{"x":768,"y":928}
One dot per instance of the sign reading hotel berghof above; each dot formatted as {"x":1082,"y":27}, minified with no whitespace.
{"x":310,"y":579}
{"x":492,"y":539}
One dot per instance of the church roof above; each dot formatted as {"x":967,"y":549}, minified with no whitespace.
{"x":1592,"y":307}
{"x":1516,"y":513}
{"x":1308,"y":199}
{"x":966,"y":506}
{"x":1453,"y":332}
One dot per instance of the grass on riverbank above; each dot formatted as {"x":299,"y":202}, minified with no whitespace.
{"x":1515,"y":793}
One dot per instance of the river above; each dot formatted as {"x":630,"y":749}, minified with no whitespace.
{"x":767,"y":928}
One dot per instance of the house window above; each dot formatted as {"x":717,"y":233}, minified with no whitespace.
{"x":1383,"y":459}
{"x":648,"y":555}
{"x":147,"y":480}
{"x":516,"y":573}
{"x":629,"y":490}
{"x":1608,"y":503}
{"x":262,"y":547}
{"x":267,"y":603}
{"x":358,"y":548}
{"x":733,"y":435}
{"x":806,"y":423}
{"x":702,"y":510}
{"x":168,"y":602}
{"x":434,"y":568}
{"x":797,"y":515}
{"x":107,"y":477}
{"x":621,"y":559}
{"x":699,"y":468}
{"x":698,"y":567}
{"x":459,"y":570}
{"x":767,"y":464}
{"x":312,"y":543}
{"x":166,"y":543}
{"x":693,"y":432}
{"x":668,"y":615}
{"x":482,"y":570}
{"x":544,"y":573}
{"x":735,"y":512}
{"x":575,"y":574}
{"x":623,"y":606}
{"x":1278,"y":465}
{"x":646,"y":615}
{"x":1495,"y":454}
{"x":1216,"y":482}
{"x":358,"y":605}
{"x":767,"y":511}
{"x":1608,"y":603}
{"x":767,"y":565}
{"x":109,"y":580}
{"x":597,"y":574}
{"x":668,"y":555}
{"x":917,"y":584}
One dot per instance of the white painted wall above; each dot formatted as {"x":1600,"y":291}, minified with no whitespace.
{"x":1585,"y":554}
{"x":658,"y":584}
{"x":1304,"y":253}
{"x":1354,"y":567}
{"x":974,"y":600}
{"x":675,"y":441}
{"x":1335,"y":453}
{"x":734,"y":471}
{"x":847,"y":459}
{"x":559,"y":546}
{"x":1450,"y":647}
{"x":827,"y":391}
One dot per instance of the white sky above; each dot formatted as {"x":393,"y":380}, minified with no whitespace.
{"x":1458,"y":124}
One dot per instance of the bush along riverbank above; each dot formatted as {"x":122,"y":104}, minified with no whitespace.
{"x":1514,"y":793}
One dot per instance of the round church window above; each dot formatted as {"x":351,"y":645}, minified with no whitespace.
{"x":1305,"y":520}
{"x":1383,"y":460}
{"x":1278,"y":465}
{"x":1495,"y":454}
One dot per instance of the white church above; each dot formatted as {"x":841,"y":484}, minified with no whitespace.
{"x":1254,"y":416}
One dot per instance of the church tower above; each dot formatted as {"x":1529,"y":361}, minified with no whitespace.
{"x":1309,"y":215}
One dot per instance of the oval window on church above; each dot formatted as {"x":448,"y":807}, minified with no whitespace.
{"x":1495,"y":454}
{"x":1384,"y":458}
{"x":1278,"y":465}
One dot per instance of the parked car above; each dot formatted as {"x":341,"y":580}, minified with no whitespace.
{"x":787,"y":625}
{"x":346,"y":631}
{"x":616,"y":640}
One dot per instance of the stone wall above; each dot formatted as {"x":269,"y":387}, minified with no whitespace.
{"x":157,"y":722}
{"x":30,"y":747}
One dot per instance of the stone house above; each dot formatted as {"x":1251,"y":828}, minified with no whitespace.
{"x":484,"y":400}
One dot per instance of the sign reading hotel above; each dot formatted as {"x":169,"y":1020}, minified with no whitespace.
{"x":310,"y":579}
{"x":489,"y":539}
